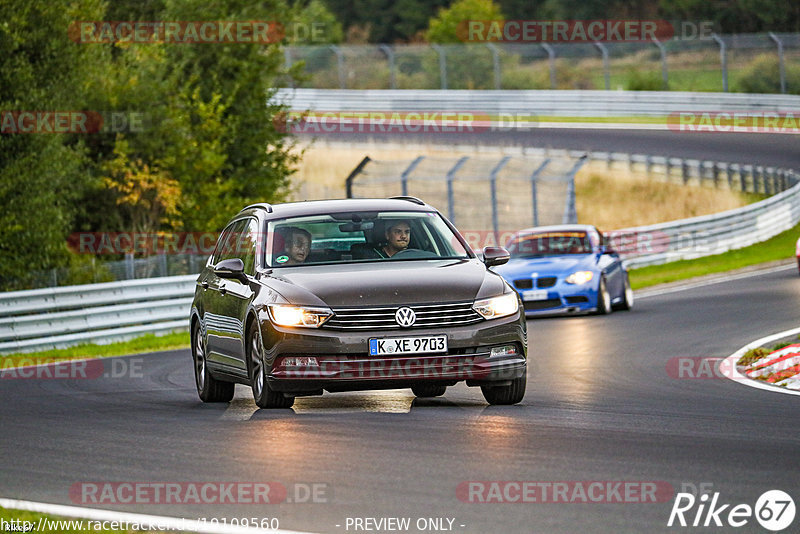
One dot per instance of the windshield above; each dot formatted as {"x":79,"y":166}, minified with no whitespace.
{"x":361,"y":237}
{"x":549,"y":244}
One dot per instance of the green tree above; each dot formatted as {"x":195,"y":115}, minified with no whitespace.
{"x":41,"y":174}
{"x":449,"y":25}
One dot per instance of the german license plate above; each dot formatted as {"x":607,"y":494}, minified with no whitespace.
{"x":407,"y":345}
{"x":536,"y":294}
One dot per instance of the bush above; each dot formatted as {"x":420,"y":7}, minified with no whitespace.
{"x":762,"y":75}
{"x":644,"y":81}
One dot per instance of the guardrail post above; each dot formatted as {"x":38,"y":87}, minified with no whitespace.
{"x":129,"y":274}
{"x":534,"y":180}
{"x":648,"y":165}
{"x":668,"y":168}
{"x":493,"y":183}
{"x":604,"y":51}
{"x":451,"y":175}
{"x":781,"y":65}
{"x":758,"y":182}
{"x":348,"y":183}
{"x":442,"y":65}
{"x":715,"y":174}
{"x":407,"y":173}
{"x":496,"y":64}
{"x":386,"y":49}
{"x":664,"y":71}
{"x":551,"y":58}
{"x":339,"y":65}
{"x":729,"y":172}
{"x":723,"y":56}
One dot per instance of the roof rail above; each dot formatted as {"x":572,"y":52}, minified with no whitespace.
{"x":262,"y":205}
{"x":415,"y":200}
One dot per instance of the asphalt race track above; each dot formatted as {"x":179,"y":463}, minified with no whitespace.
{"x":779,"y":150}
{"x":600,"y":406}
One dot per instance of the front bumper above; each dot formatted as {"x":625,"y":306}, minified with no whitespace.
{"x":562,"y":300}
{"x":344,"y":363}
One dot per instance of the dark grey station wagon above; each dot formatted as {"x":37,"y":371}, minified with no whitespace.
{"x":358,"y":294}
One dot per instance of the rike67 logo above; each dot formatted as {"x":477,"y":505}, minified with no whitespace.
{"x":774,"y":510}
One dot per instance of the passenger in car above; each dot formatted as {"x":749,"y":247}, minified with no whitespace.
{"x":297,"y":245}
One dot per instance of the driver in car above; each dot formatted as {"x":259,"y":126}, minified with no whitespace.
{"x":398,"y":235}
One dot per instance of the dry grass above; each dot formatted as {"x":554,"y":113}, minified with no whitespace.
{"x":609,"y":199}
{"x":619,"y":199}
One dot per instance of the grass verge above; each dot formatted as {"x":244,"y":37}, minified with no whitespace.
{"x":780,"y":247}
{"x":146,"y":343}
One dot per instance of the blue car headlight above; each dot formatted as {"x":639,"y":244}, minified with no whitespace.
{"x":580,"y":277}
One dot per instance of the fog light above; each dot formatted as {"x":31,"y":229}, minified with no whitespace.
{"x":300,"y":361}
{"x":505,"y":350}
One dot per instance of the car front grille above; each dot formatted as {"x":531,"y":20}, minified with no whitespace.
{"x":545,"y":282}
{"x":428,"y":316}
{"x":542,"y":304}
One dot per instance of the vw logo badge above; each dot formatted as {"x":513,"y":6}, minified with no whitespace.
{"x":405,"y":317}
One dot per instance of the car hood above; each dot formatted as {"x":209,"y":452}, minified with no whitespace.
{"x":549,"y":265}
{"x":386,"y":283}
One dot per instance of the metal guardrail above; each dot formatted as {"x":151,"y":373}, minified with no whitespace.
{"x":535,"y":103}
{"x":58,"y":317}
{"x":102,"y":313}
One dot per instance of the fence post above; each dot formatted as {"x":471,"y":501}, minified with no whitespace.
{"x":551,"y":58}
{"x":570,"y":214}
{"x":451,"y":175}
{"x":348,"y":183}
{"x":664,"y":71}
{"x":339,"y":65}
{"x":287,"y":62}
{"x":534,"y":200}
{"x":442,"y":65}
{"x":781,"y":65}
{"x":493,"y":182}
{"x":386,"y":49}
{"x":407,"y":173}
{"x":604,"y":51}
{"x":723,"y":56}
{"x":496,"y":63}
{"x":684,"y":171}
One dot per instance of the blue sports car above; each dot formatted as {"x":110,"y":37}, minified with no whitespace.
{"x":566,"y":269}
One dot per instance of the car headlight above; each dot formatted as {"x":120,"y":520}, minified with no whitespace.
{"x":286,"y":315}
{"x":580,"y":277}
{"x":496,"y":307}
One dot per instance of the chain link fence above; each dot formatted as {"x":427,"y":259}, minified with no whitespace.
{"x":482,"y":194}
{"x":749,"y":63}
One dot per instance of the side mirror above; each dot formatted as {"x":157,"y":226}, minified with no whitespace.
{"x":231,"y":268}
{"x":495,"y":256}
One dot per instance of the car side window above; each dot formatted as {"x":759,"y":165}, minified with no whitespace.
{"x":226,"y":245}
{"x":248,"y":245}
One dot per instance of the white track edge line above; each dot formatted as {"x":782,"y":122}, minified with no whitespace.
{"x":746,"y":380}
{"x":169,"y":523}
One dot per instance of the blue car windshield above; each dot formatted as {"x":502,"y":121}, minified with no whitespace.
{"x":549,"y":244}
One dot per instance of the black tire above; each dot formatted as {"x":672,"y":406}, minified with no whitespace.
{"x":603,"y":298}
{"x":504,"y":395}
{"x":209,"y":389}
{"x":627,"y":296}
{"x":264,"y":396}
{"x":428,"y":390}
